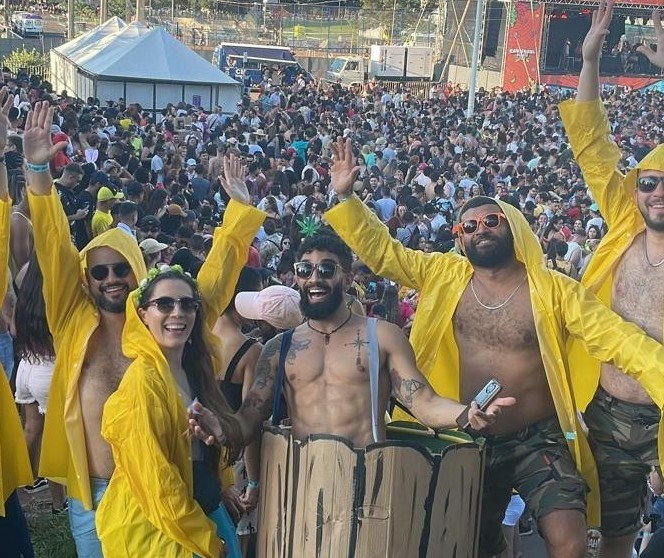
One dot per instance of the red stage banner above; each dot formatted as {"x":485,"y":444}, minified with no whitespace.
{"x":522,"y":52}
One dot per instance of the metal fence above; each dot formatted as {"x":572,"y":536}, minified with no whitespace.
{"x":332,"y":29}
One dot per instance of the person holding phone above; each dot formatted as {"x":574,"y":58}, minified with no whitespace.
{"x":500,"y":313}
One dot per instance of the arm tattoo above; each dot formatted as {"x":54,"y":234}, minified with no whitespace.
{"x":296,"y":347}
{"x":405,"y":388}
{"x":259,"y":398}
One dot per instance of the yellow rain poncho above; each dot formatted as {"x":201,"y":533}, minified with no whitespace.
{"x":561,"y":307}
{"x":587,"y":127}
{"x":73,"y":317}
{"x":148,"y":509}
{"x":15,"y":468}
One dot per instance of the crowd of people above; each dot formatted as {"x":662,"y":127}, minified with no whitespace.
{"x":198,"y":246}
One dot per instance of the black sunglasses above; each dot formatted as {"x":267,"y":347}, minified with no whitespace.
{"x":490,"y":221}
{"x":101,"y":271}
{"x":326,"y":270}
{"x":648,"y":184}
{"x":166,"y":304}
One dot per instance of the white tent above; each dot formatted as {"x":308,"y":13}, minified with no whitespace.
{"x":141,"y":65}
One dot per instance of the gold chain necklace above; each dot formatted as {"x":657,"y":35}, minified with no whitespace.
{"x":472,"y":288}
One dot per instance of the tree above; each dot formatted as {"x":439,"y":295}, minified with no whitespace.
{"x":33,"y":61}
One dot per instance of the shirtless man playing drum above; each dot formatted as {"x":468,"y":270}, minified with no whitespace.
{"x":327,"y":365}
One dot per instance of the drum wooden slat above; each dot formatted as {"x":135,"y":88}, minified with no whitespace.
{"x":393,"y":511}
{"x":323,"y":499}
{"x":457,"y":504}
{"x":323,"y":485}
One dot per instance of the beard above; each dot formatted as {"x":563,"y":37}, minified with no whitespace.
{"x":322,"y":310}
{"x":112,"y":306}
{"x":494,"y":256}
{"x":652,"y":224}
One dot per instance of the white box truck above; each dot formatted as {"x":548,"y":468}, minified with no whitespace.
{"x":385,"y":63}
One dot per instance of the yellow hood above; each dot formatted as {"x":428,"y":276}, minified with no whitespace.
{"x":653,"y":161}
{"x":122,"y":243}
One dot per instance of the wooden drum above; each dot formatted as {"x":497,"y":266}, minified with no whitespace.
{"x":415,"y":495}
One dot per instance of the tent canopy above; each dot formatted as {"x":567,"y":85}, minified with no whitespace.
{"x":135,"y":52}
{"x":76,"y":46}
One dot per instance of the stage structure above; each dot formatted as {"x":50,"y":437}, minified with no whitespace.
{"x":543,"y":45}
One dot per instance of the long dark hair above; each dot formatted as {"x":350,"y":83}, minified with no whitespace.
{"x":390,"y":302}
{"x":33,"y":340}
{"x":199,"y":368}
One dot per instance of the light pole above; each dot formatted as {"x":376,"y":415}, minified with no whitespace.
{"x":472,"y":86}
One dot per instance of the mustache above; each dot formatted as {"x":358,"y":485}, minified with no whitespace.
{"x":104,"y":288}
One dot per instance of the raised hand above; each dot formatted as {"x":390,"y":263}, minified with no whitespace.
{"x":233,"y":179}
{"x":655,"y":57}
{"x":599,"y":30}
{"x":344,"y":170}
{"x":479,"y":420}
{"x":6,"y":103}
{"x":37,"y":145}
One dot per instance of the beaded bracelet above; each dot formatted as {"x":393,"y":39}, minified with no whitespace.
{"x":37,"y":168}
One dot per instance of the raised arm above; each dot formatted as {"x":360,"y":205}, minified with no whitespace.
{"x":58,"y":258}
{"x":591,"y":51}
{"x":588,"y":129}
{"x":655,"y":57}
{"x":230,"y":247}
{"x":367,"y":235}
{"x":411,"y":388}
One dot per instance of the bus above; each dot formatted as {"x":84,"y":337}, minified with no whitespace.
{"x":27,"y":24}
{"x":247,"y":62}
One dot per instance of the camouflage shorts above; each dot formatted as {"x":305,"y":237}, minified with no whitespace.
{"x":623,"y":438}
{"x":537,"y":463}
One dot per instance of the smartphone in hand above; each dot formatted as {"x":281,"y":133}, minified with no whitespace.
{"x":483,"y":399}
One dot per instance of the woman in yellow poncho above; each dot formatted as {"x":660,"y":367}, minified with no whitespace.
{"x":15,"y":468}
{"x":164,"y":499}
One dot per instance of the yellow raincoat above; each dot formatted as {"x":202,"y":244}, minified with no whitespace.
{"x":561,"y":307}
{"x":587,"y":127}
{"x":15,"y":468}
{"x":73,"y":317}
{"x":148,"y":509}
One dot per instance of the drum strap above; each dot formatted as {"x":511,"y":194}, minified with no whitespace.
{"x":374,"y":373}
{"x":286,"y":339}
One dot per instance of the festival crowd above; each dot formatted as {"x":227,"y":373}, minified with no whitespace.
{"x":189,"y":197}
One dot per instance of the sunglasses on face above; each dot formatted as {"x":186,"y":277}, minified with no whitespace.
{"x":101,"y":271}
{"x":326,"y":270}
{"x":166,"y":304}
{"x":490,"y":221}
{"x":648,"y":184}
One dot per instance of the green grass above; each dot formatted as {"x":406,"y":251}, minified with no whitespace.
{"x":50,"y":534}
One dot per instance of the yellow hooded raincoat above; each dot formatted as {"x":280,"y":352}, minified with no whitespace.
{"x":73,"y":317}
{"x":15,"y":468}
{"x":149,"y":509}
{"x":587,"y":127}
{"x":561,"y":307}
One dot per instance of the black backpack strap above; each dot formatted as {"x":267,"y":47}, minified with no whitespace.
{"x":236,"y":359}
{"x":286,"y":339}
